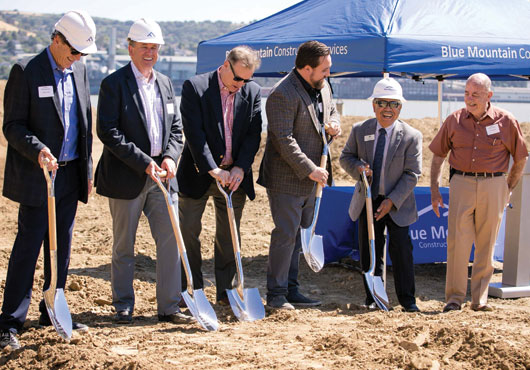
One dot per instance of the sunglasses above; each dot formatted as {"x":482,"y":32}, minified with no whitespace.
{"x":236,"y":77}
{"x":385,"y":103}
{"x":72,"y":50}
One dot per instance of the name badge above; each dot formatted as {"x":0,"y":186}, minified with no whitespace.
{"x":45,"y":91}
{"x":493,"y":129}
{"x":369,"y":137}
{"x":170,"y":108}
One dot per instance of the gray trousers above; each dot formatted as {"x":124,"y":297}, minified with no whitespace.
{"x":289,"y":213}
{"x":125,"y":217}
{"x":190,"y":214}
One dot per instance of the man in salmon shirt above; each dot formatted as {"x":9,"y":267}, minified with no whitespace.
{"x":479,"y":139}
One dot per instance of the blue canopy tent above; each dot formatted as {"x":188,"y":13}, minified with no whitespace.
{"x":410,"y":38}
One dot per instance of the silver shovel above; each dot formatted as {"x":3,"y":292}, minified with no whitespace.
{"x":375,"y":283}
{"x":246,"y":303}
{"x":312,"y":245}
{"x":196,"y":300}
{"x":54,"y":298}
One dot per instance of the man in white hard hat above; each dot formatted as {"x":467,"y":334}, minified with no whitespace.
{"x":47,"y":115}
{"x":139,"y":125}
{"x":389,"y":151}
{"x":221,"y":115}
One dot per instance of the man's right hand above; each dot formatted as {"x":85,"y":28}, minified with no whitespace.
{"x":220,"y":175}
{"x":52,"y":161}
{"x":152,"y":169}
{"x":436,"y":200}
{"x":319,"y":175}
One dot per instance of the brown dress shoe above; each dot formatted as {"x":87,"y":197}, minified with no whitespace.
{"x":484,"y":308}
{"x":452,"y":307}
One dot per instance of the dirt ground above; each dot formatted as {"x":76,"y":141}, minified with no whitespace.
{"x":338,"y":334}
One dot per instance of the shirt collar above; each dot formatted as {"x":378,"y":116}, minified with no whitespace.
{"x":310,"y":89}
{"x":54,"y":65}
{"x":222,"y":88}
{"x":141,"y":77}
{"x":489,"y":112}
{"x":387,"y":129}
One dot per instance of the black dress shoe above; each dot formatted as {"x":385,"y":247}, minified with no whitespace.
{"x":9,"y":338}
{"x":44,"y":320}
{"x":412,"y":308}
{"x":176,"y":318}
{"x":298,"y":299}
{"x":223,"y":301}
{"x":123,"y":317}
{"x":452,"y":307}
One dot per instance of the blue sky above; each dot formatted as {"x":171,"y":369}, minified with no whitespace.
{"x":159,"y":10}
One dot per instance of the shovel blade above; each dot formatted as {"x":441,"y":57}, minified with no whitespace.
{"x":201,"y":309}
{"x":377,"y":290}
{"x":313,"y":248}
{"x":250,"y":308}
{"x":58,"y":312}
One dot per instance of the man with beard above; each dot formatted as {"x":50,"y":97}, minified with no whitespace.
{"x":299,"y":107}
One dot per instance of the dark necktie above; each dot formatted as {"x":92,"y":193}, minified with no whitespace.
{"x":378,"y":161}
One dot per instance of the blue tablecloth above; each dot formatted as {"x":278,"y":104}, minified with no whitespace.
{"x":428,"y":234}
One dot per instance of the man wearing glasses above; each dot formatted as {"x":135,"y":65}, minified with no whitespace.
{"x":139,"y":125}
{"x":47,"y":115}
{"x":221,"y":115}
{"x":389,"y":151}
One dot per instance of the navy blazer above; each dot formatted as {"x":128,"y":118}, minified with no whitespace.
{"x":121,"y":126}
{"x":203,"y":123}
{"x":32,"y":123}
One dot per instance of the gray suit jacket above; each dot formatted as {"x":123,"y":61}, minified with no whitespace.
{"x":294,"y":142}
{"x":402,"y":168}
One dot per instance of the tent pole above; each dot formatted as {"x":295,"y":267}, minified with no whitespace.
{"x":440,"y":101}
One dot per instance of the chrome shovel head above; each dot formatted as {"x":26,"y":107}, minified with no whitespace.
{"x":58,"y":312}
{"x":313,"y":248}
{"x":377,"y":290}
{"x":201,"y":309}
{"x":250,"y":308}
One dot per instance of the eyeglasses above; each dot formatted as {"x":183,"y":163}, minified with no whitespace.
{"x":236,"y":77}
{"x":72,"y":50}
{"x":385,"y":103}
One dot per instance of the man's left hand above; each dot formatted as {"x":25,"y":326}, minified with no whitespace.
{"x":168,"y":165}
{"x":333,"y":129}
{"x":236,"y":177}
{"x":385,"y":207}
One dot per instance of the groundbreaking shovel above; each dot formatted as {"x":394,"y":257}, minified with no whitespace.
{"x":196,"y":300}
{"x":54,"y":298}
{"x":375,"y":283}
{"x":312,"y":245}
{"x":246,"y":303}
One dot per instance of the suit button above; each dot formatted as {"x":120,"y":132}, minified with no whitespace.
{"x":221,"y":156}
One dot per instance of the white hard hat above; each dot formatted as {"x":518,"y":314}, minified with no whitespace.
{"x":387,"y":88}
{"x":79,"y":30}
{"x":146,"y":30}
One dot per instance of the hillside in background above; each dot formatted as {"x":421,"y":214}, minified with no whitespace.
{"x":23,"y":32}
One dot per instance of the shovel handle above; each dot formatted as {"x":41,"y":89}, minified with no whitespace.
{"x":176,"y":230}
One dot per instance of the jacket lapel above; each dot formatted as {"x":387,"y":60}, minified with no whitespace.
{"x":214,"y":99}
{"x":49,"y":80}
{"x":135,"y":93}
{"x":165,"y":97}
{"x":369,"y":144}
{"x":299,"y":88}
{"x":240,"y":111}
{"x":395,"y":140}
{"x":80,"y":90}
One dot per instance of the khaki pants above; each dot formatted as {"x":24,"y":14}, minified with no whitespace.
{"x":476,"y":205}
